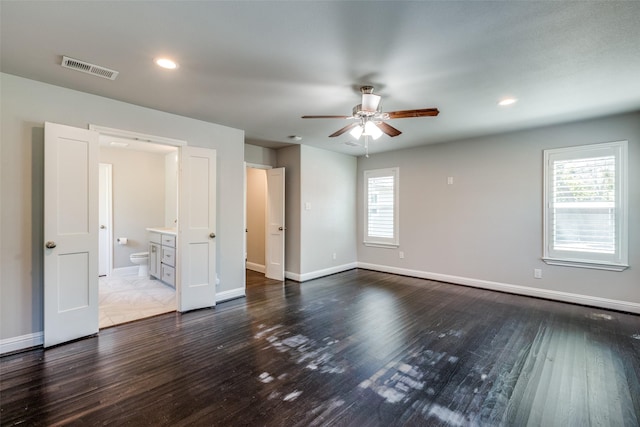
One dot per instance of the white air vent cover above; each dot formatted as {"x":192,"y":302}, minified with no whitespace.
{"x":85,"y":67}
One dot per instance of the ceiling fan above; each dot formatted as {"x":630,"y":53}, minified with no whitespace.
{"x":370,"y":120}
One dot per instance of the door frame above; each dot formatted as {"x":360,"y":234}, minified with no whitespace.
{"x":266,"y":168}
{"x":252,"y":166}
{"x":142,"y":137}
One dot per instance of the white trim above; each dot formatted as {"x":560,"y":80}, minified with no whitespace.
{"x":9,"y":345}
{"x":257,"y":166}
{"x":229,"y":295}
{"x":585,"y":264}
{"x":255,"y":267}
{"x":125,"y":271}
{"x":103,"y":130}
{"x":626,"y":306}
{"x":613,"y":262}
{"x":390,"y":242}
{"x":320,"y":273}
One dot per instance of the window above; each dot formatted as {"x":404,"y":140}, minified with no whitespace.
{"x":381,"y":207}
{"x":585,"y":199}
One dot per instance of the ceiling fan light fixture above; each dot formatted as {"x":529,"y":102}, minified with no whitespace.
{"x":356,"y":132}
{"x":370,"y":102}
{"x":372,"y":130}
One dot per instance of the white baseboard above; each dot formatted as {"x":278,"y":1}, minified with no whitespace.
{"x":320,"y":273}
{"x":22,"y":342}
{"x":125,"y":271}
{"x":228,"y":295}
{"x":255,"y":267}
{"x":630,"y":307}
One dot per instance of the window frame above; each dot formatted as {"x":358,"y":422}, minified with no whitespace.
{"x":375,"y":241}
{"x":618,"y":261}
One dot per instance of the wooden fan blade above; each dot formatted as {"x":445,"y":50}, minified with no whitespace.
{"x":326,"y":117}
{"x":404,"y":114}
{"x":343,"y":130}
{"x":388,"y":129}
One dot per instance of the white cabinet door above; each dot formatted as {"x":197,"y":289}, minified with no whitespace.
{"x":275,"y":224}
{"x":154,"y":260}
{"x":70,"y":233}
{"x":196,"y":266}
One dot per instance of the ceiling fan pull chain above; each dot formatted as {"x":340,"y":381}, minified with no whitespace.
{"x":366,"y":146}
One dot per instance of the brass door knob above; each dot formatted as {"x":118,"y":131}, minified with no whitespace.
{"x":50,"y":245}
{"x":212,"y":235}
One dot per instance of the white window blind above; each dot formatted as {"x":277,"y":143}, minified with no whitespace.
{"x":381,"y":207}
{"x":585,"y":215}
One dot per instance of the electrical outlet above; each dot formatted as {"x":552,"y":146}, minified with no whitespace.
{"x":334,"y":255}
{"x":450,"y":180}
{"x":537,"y":273}
{"x":401,"y":255}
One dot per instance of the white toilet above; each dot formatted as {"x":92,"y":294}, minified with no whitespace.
{"x":141,"y":259}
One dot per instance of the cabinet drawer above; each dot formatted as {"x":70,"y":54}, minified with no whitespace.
{"x":169,"y":256}
{"x":169,"y":275}
{"x":154,"y":237}
{"x":169,"y":240}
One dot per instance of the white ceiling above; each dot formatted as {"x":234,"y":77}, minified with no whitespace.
{"x":259,"y":66}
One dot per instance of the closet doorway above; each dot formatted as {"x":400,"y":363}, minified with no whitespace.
{"x":265,"y":220}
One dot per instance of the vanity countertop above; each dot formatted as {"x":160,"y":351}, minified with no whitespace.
{"x":163,"y":230}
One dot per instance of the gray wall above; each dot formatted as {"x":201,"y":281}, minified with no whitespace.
{"x":26,"y":105}
{"x":260,"y":155}
{"x":487,"y":226}
{"x":328,"y":182}
{"x":289,"y":158}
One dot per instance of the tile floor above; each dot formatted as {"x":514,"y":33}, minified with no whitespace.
{"x":127,"y":298}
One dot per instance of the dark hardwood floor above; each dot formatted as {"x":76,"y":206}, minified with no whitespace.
{"x":357,"y":348}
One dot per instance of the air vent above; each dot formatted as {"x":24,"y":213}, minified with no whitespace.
{"x":351,"y":144}
{"x":85,"y":67}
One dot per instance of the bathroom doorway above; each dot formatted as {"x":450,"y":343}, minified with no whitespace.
{"x":138,"y":190}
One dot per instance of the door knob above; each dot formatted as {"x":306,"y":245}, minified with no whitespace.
{"x":212,"y":235}
{"x":102,"y":227}
{"x":50,"y":245}
{"x":282,"y":228}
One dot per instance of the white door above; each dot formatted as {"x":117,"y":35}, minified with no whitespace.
{"x":196,"y":229}
{"x":274,"y":251}
{"x":104,"y":218}
{"x":70,"y":233}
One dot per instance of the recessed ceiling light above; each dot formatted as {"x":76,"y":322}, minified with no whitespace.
{"x":166,"y":63}
{"x":295,"y":138}
{"x":507,"y":101}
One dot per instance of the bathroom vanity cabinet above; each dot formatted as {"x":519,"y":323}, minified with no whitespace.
{"x":162,"y":255}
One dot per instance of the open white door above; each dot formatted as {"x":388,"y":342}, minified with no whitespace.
{"x":105,"y":238}
{"x":70,"y":233}
{"x":274,"y":251}
{"x":196,"y":229}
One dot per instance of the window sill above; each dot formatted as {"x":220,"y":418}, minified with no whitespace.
{"x":586,"y":264}
{"x":381,"y":245}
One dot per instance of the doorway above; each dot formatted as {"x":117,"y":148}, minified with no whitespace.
{"x":264,"y":220}
{"x":138,"y":189}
